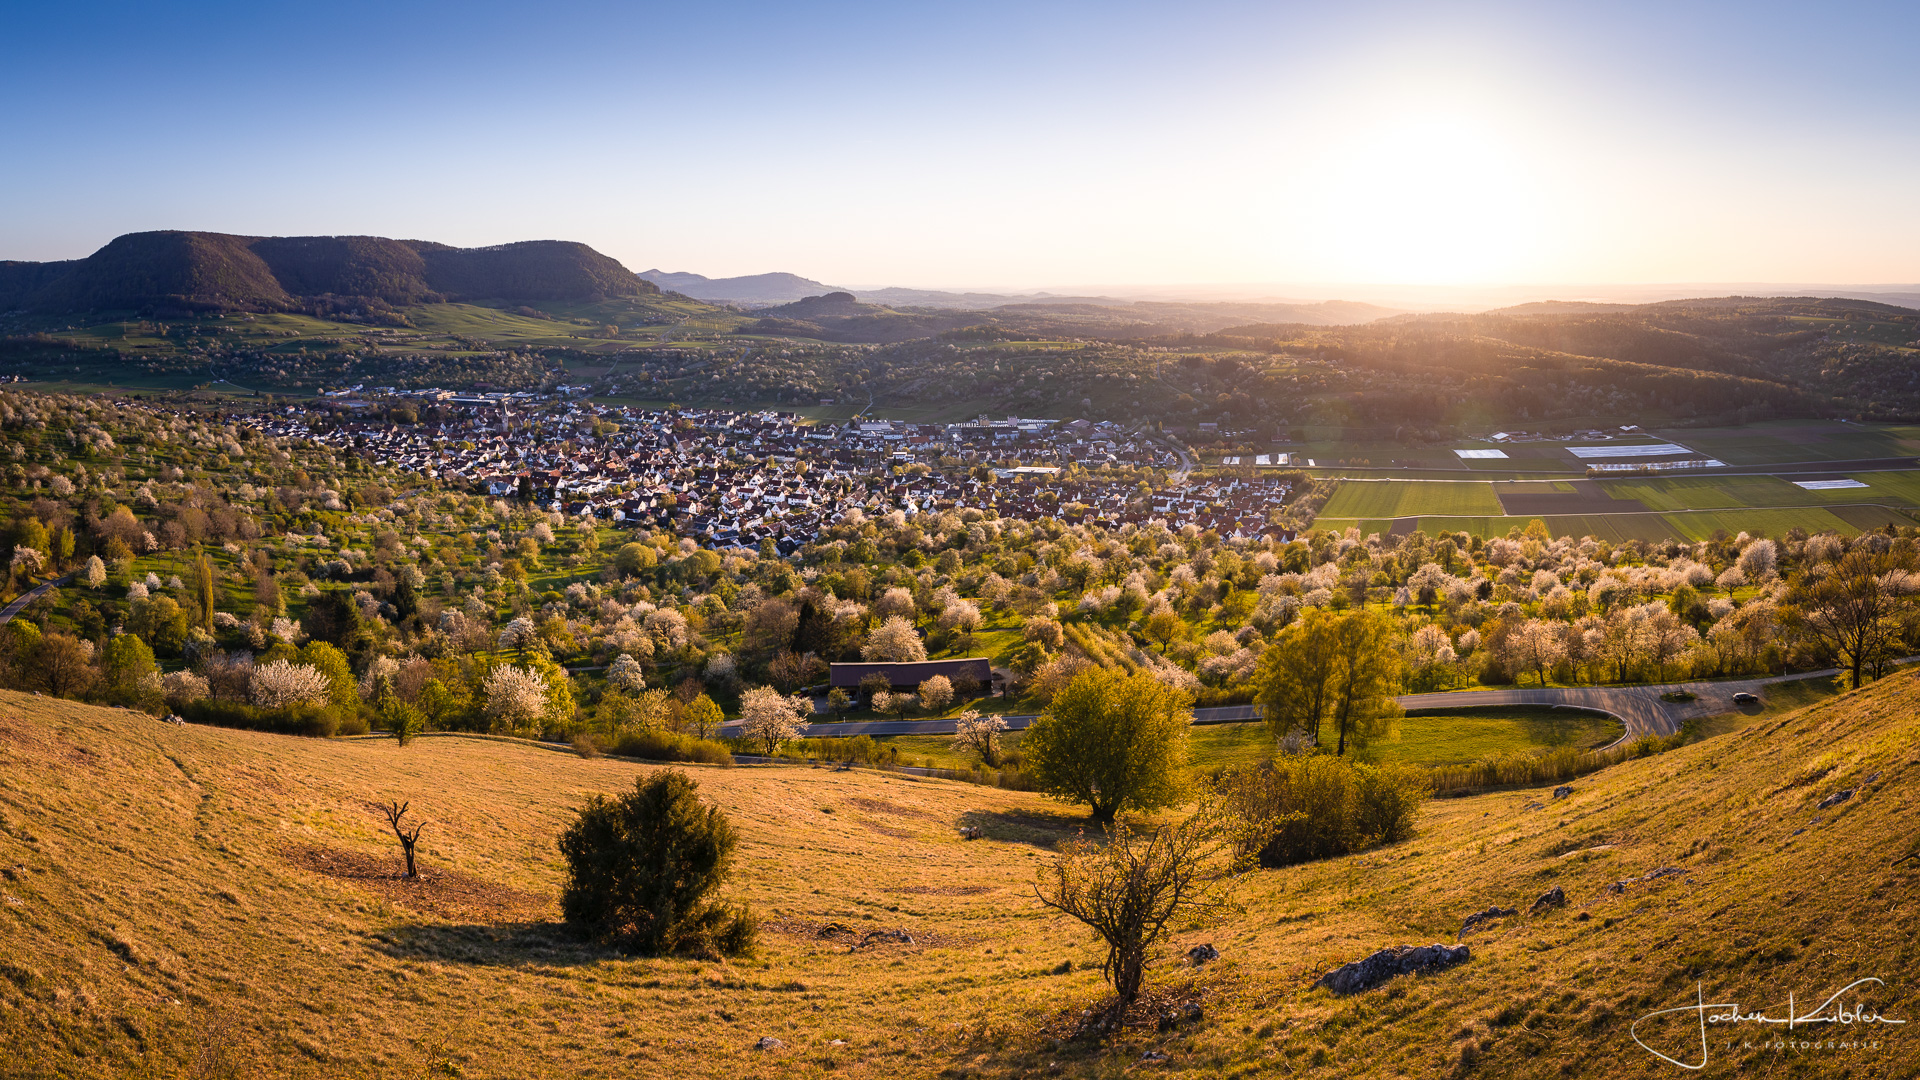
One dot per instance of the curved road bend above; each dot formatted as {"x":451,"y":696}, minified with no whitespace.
{"x":20,"y":604}
{"x":1638,"y":708}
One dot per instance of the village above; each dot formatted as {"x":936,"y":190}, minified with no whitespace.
{"x":746,"y":479}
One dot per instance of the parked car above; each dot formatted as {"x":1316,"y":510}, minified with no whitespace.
{"x":1744,"y":698}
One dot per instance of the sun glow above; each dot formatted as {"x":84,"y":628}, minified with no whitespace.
{"x":1426,"y":197}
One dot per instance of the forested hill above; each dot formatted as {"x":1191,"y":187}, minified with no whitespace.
{"x":1771,"y":355}
{"x":164,"y":273}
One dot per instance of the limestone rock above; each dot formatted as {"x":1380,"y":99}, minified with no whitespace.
{"x":1387,"y":963}
{"x":1552,"y":898}
{"x":1486,"y":916}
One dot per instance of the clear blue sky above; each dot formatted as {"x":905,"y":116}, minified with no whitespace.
{"x":1035,"y":144}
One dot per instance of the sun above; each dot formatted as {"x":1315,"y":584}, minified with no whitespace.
{"x":1429,"y":199}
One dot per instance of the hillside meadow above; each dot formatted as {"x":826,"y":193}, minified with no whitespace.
{"x":184,"y":901}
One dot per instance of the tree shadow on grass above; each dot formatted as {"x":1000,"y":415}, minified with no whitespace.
{"x":1041,"y":829}
{"x":506,"y":944}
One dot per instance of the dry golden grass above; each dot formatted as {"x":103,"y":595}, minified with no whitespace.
{"x":202,"y":902}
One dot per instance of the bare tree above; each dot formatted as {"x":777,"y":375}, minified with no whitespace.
{"x":1131,"y":887}
{"x":409,"y":835}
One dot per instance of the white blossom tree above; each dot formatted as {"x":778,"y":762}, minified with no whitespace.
{"x":771,"y":718}
{"x":936,"y":693}
{"x":1430,"y":656}
{"x":183,"y":688}
{"x":895,"y":641}
{"x":626,"y":674}
{"x":281,"y":683}
{"x":961,"y":616}
{"x":668,"y":630}
{"x":979,"y":735}
{"x":516,"y":696}
{"x":519,"y":635}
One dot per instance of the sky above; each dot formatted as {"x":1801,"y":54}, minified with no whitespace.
{"x":995,"y":145}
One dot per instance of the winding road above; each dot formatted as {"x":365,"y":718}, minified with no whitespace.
{"x":1638,"y":708}
{"x":20,"y":603}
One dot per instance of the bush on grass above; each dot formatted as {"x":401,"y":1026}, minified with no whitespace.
{"x":318,"y":721}
{"x":642,"y":869}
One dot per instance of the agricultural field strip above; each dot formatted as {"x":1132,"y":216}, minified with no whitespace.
{"x":1643,"y":450}
{"x":1394,"y":505}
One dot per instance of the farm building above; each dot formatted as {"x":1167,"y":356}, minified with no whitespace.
{"x":909,"y":676}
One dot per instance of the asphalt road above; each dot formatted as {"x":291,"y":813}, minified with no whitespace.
{"x":20,"y":603}
{"x":1638,"y":708}
{"x":1228,"y":714}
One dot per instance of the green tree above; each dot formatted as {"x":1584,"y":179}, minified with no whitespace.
{"x":1163,"y":626}
{"x":560,"y":703}
{"x":159,"y":621}
{"x":404,"y":720}
{"x":203,"y":592}
{"x":704,"y":716}
{"x":132,"y":677}
{"x":1368,"y":676}
{"x":1295,"y":683}
{"x":642,"y":870}
{"x":1327,"y":668}
{"x":437,"y":702}
{"x":1112,"y":741}
{"x":331,"y":662}
{"x":633,"y":560}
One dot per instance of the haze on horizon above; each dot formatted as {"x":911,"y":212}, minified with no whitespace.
{"x":997,"y":144}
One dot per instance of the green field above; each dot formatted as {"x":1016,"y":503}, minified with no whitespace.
{"x":1776,"y":522}
{"x":1718,"y":492}
{"x":1453,"y":736}
{"x":1846,"y":520}
{"x":1775,"y":442}
{"x":1613,"y":528}
{"x":1411,"y":498}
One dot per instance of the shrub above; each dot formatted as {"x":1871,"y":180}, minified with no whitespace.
{"x":642,"y":869}
{"x":300,"y":719}
{"x":1316,"y":806}
{"x":656,"y":745}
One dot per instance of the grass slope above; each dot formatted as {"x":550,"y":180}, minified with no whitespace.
{"x":166,"y":913}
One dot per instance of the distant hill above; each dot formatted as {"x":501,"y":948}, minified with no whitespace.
{"x":176,"y":272}
{"x":839,"y":316}
{"x":840,"y":305}
{"x":754,"y":289}
{"x":1560,"y":307}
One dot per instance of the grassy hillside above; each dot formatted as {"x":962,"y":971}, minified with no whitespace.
{"x":215,"y":903}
